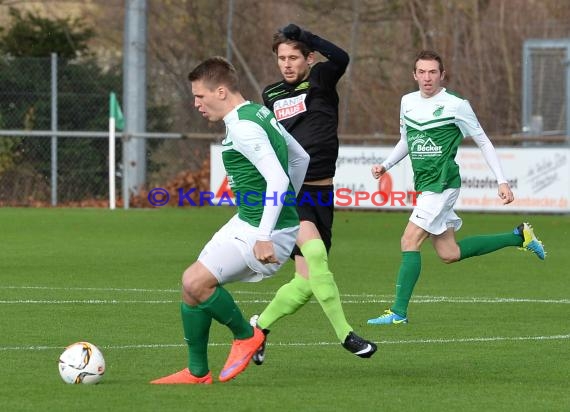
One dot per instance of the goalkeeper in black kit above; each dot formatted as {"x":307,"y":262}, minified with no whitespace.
{"x":306,"y":103}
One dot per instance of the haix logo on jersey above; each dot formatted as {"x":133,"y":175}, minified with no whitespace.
{"x":303,"y":86}
{"x":424,"y":148}
{"x":292,"y":106}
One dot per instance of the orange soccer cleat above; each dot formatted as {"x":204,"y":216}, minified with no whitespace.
{"x":240,"y":355}
{"x":184,"y":377}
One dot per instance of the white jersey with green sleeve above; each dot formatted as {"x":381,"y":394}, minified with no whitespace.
{"x":252,"y":133}
{"x":434,"y":128}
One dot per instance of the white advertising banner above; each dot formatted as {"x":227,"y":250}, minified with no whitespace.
{"x":355,"y":186}
{"x":539,"y":177}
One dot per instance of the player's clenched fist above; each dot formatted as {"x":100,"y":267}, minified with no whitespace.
{"x":378,"y":171}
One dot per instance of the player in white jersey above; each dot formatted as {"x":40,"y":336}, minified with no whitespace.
{"x":433,"y":123}
{"x":266,"y":167}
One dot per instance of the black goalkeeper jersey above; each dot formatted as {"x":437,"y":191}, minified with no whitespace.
{"x":309,"y":109}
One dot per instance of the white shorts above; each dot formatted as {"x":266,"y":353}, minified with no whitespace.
{"x":434,"y":212}
{"x":229,"y":254}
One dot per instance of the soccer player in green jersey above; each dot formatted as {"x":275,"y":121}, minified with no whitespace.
{"x":433,"y":122}
{"x":267,"y":165}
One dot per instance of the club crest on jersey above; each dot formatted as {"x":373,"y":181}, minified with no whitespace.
{"x":289,"y":107}
{"x":438,"y":111}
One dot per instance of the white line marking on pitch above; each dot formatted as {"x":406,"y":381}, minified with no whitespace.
{"x":94,"y":289}
{"x":85,"y":302}
{"x":311,"y":344}
{"x":347,"y":298}
{"x":435,"y":299}
{"x":360,"y":298}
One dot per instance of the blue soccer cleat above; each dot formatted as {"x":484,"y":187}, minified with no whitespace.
{"x":530,"y":242}
{"x":388,"y":318}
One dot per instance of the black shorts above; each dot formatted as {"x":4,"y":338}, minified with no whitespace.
{"x":316,"y":204}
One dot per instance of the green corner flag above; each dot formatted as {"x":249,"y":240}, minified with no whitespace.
{"x":115,"y":112}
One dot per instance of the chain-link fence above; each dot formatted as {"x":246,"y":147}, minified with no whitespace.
{"x":54,"y":148}
{"x":81,"y":168}
{"x":28,"y":172}
{"x":546,"y":88}
{"x":54,"y":118}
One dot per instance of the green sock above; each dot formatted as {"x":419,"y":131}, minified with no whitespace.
{"x":222,"y":307}
{"x":483,"y":244}
{"x":324,"y":287}
{"x":408,"y":275}
{"x":288,"y":299}
{"x":196,"y":324}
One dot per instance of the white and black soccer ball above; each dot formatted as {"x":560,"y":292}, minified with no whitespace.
{"x":81,"y":362}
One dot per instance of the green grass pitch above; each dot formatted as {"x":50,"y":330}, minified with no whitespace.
{"x":487,"y":334}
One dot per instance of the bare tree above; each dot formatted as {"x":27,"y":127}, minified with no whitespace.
{"x":480,"y":40}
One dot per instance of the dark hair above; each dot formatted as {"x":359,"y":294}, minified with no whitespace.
{"x":279,"y":38}
{"x":216,"y":71}
{"x":429,"y":55}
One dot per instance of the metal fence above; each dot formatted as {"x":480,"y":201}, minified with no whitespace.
{"x":546,"y":86}
{"x":53,"y":135}
{"x":81,"y":167}
{"x":54,"y":119}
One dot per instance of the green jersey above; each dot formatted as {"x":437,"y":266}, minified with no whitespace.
{"x":434,"y":127}
{"x":252,"y":133}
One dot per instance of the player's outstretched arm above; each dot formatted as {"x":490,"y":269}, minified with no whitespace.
{"x":398,"y":153}
{"x":490,"y":156}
